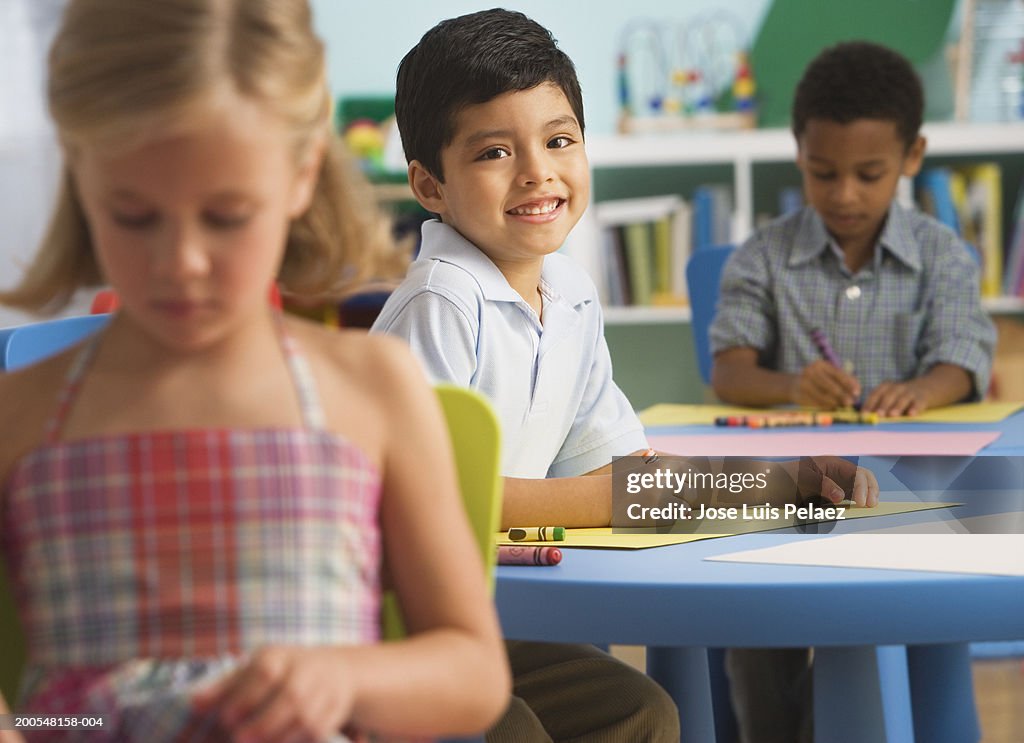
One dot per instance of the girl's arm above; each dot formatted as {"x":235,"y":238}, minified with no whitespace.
{"x":451,"y":675}
{"x":8,"y":736}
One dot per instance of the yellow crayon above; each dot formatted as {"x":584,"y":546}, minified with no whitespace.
{"x":853,"y":416}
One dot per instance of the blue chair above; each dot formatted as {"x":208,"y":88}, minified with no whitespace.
{"x":27,"y":344}
{"x":703,"y":275}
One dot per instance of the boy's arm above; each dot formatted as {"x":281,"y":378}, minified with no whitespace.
{"x":738,"y":378}
{"x":582,"y":501}
{"x":957,"y":338}
{"x":957,"y":331}
{"x":562,"y":501}
{"x":744,"y":322}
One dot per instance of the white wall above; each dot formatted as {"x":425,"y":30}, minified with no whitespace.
{"x":29,"y":160}
{"x":367,"y":40}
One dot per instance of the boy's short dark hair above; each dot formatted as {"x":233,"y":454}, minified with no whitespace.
{"x":472,"y":59}
{"x":860,"y":80}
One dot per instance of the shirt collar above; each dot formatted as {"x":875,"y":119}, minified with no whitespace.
{"x":897,"y":238}
{"x":443,"y":242}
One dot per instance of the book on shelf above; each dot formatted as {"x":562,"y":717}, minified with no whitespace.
{"x":1013,"y":281}
{"x":646,"y":244}
{"x":935,"y":196}
{"x":984,"y":228}
{"x":968,"y":199}
{"x":712,"y":216}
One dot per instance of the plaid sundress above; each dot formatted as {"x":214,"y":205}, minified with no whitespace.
{"x":149,"y":564}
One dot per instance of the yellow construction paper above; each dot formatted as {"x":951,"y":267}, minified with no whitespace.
{"x":691,"y":415}
{"x":973,"y":412}
{"x":642,"y":539}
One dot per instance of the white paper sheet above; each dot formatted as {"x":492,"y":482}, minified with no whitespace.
{"x":983,"y":554}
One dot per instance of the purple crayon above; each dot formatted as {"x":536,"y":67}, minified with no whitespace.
{"x":825,"y":348}
{"x":516,"y":555}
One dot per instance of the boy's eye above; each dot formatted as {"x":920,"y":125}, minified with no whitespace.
{"x":823,"y":176}
{"x":135,"y":221}
{"x":558,"y":143}
{"x":870,"y":177}
{"x":494,"y":153}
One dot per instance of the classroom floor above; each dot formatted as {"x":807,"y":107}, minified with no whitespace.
{"x":998,"y":689}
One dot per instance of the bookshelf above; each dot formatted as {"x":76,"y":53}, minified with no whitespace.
{"x":651,"y":347}
{"x":747,"y":157}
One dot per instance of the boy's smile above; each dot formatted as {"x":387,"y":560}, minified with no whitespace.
{"x":516,"y":179}
{"x":850,"y":174}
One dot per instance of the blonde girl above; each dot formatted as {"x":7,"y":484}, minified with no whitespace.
{"x":197,"y":505}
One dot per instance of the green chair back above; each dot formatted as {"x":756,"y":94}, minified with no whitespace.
{"x":12,"y":640}
{"x":476,"y":441}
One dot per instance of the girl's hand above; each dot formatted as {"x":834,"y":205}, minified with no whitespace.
{"x":287,"y":694}
{"x":821,"y":385}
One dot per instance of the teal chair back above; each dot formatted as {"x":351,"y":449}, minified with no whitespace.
{"x":703,"y":275}
{"x":27,"y":344}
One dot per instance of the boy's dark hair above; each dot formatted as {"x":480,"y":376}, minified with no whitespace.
{"x":472,"y":59}
{"x":860,"y":80}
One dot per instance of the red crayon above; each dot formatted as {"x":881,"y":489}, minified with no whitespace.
{"x":528,"y":555}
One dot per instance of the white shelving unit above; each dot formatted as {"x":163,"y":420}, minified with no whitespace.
{"x":743,"y":149}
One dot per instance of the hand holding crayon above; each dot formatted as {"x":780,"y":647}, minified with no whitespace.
{"x":828,"y":383}
{"x":822,"y":385}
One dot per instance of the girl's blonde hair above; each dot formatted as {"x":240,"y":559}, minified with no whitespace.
{"x":122,"y":70}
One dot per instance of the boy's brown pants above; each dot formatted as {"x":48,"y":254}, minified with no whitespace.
{"x":581,"y":694}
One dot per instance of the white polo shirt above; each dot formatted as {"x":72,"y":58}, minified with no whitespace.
{"x":550,"y":382}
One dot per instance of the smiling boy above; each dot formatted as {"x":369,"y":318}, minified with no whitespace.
{"x":894,"y":291}
{"x":491,"y":118}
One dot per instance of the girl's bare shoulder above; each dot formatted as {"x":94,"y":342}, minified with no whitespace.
{"x":29,"y":398}
{"x":372,"y":376}
{"x":369,"y":362}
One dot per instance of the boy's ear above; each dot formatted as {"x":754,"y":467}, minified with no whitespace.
{"x":914,"y":158}
{"x":426,"y":188}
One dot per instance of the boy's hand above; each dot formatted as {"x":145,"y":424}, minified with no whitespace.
{"x":822,"y":385}
{"x":836,"y":479}
{"x":890,"y":399}
{"x":282,"y":694}
{"x":833,"y":478}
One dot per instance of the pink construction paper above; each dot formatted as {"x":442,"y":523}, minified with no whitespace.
{"x":860,"y":443}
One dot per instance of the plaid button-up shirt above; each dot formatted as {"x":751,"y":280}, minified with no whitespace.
{"x":914,"y":305}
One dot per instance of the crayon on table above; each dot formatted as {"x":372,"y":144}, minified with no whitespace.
{"x":537,"y":533}
{"x":855,"y":416}
{"x":828,"y":353}
{"x":825,"y":348}
{"x":777,"y":420}
{"x":509,"y":554}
